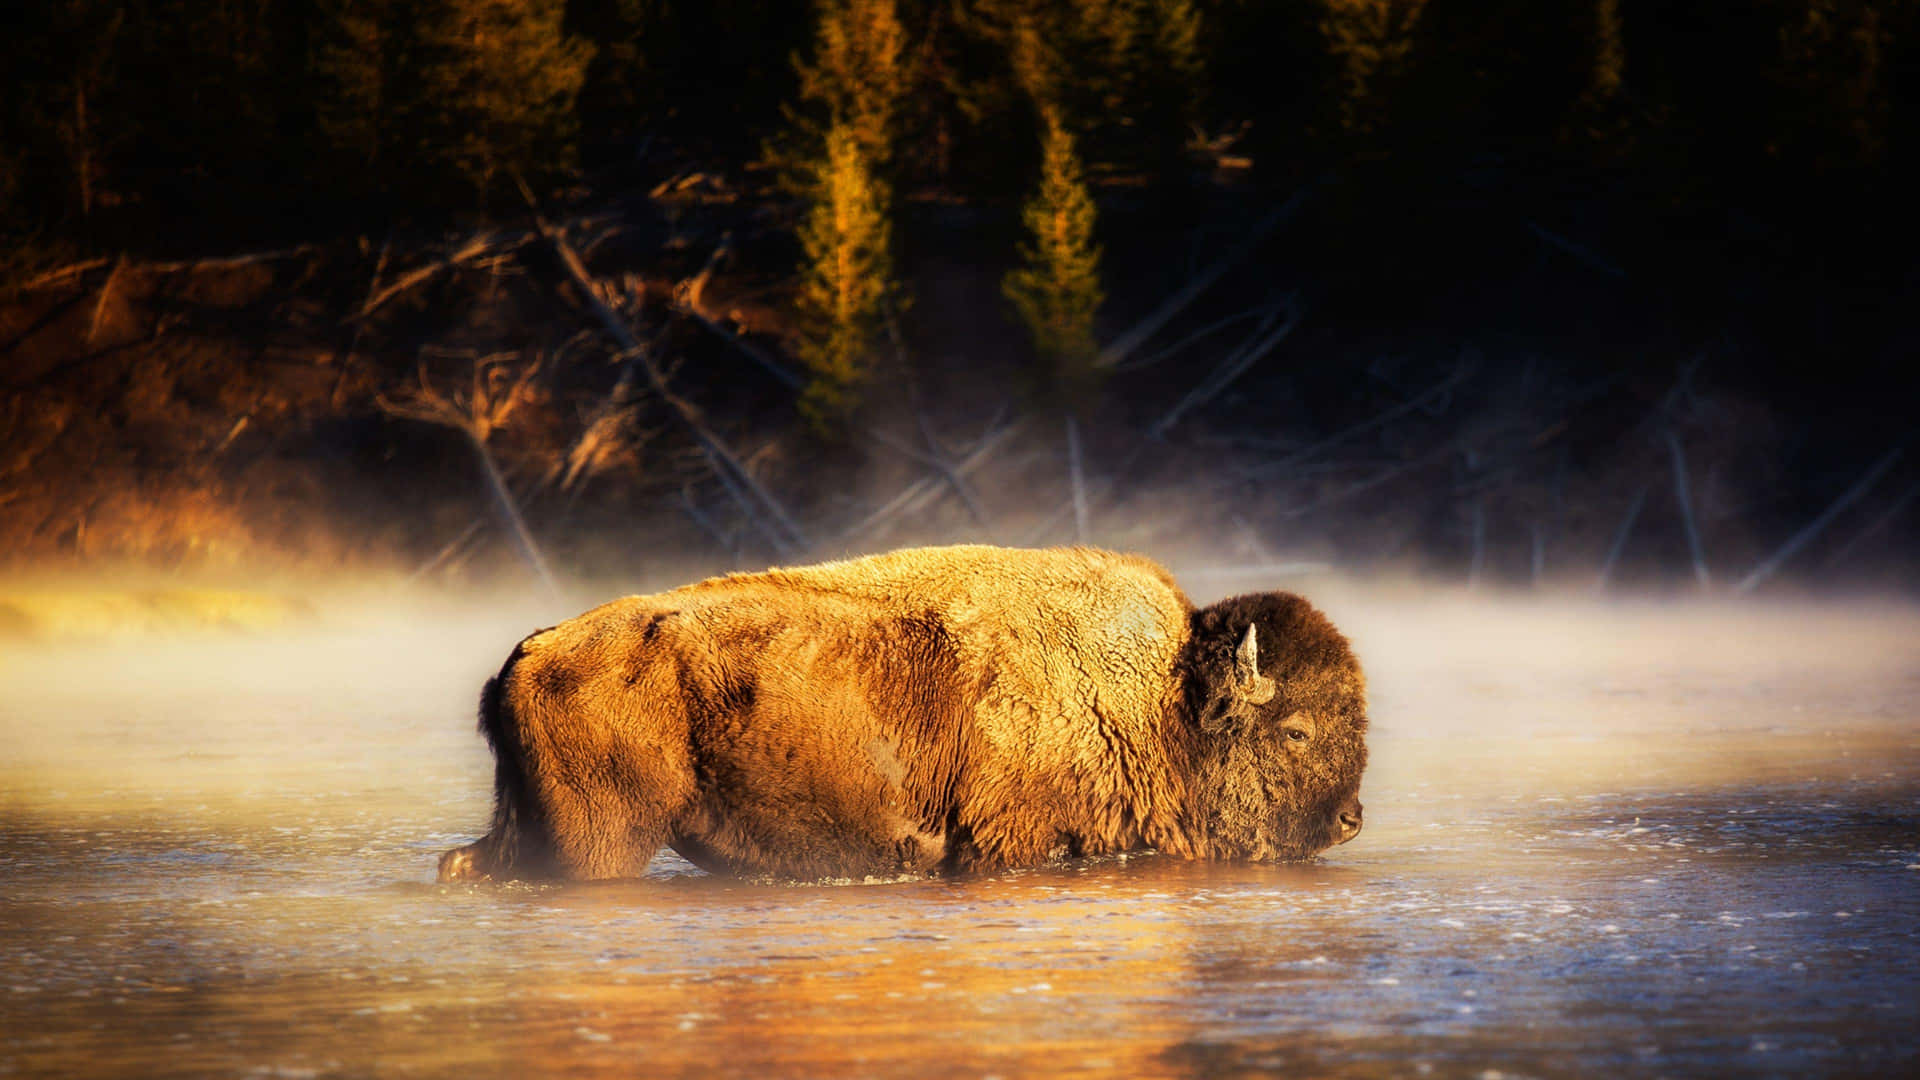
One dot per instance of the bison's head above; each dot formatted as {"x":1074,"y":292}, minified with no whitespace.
{"x":1279,"y":714}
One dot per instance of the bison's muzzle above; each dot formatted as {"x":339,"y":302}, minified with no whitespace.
{"x":1348,"y":820}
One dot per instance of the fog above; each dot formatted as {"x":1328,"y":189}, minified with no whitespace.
{"x":1666,"y":837}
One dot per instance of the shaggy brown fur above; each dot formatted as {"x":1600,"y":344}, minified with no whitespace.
{"x":936,"y":709}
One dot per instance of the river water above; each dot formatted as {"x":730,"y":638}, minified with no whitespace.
{"x":1626,"y":839}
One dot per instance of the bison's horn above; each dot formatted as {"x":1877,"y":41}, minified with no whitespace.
{"x":1253,"y":687}
{"x":1246,"y":659}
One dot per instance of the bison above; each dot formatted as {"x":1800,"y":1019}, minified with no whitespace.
{"x":934,"y":710}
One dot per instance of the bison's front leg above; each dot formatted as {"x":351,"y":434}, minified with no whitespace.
{"x":465,"y":864}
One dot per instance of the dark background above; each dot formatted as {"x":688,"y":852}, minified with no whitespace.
{"x":1541,"y":246}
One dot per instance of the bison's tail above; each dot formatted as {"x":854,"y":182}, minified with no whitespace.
{"x":516,"y":845}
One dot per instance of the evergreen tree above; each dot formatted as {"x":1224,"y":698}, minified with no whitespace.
{"x":1598,"y":113}
{"x":858,"y":75}
{"x":354,"y":63}
{"x":450,"y":95}
{"x":498,"y":81}
{"x":620,"y":88}
{"x":1833,"y":65}
{"x":1609,"y":54}
{"x":847,"y":283}
{"x":1126,"y":73}
{"x":1370,"y":39}
{"x":1056,"y":289}
{"x":60,"y":123}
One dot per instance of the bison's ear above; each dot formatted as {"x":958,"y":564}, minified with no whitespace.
{"x":1232,"y":705}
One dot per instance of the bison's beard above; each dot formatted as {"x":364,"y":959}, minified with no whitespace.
{"x":1247,"y":812}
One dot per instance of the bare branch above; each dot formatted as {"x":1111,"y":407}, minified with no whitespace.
{"x":1620,"y":539}
{"x":1078,"y":481}
{"x":1800,"y":539}
{"x":923,"y":491}
{"x":60,"y":274}
{"x":1469,"y":361}
{"x":1682,"y":492}
{"x":106,"y":291}
{"x":1231,"y":368}
{"x":1261,"y":312}
{"x":491,"y":242}
{"x":1127,"y":343}
{"x":1583,"y":254}
{"x":776,"y":523}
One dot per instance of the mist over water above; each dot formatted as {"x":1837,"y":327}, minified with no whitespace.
{"x":1601,"y":838}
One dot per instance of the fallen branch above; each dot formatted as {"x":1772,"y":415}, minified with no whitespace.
{"x":686,"y":301}
{"x":1079,"y":483}
{"x":775,"y":523}
{"x":490,"y":242}
{"x":591,"y":447}
{"x":217,"y":262}
{"x":1231,"y":368}
{"x":1800,"y":539}
{"x":1469,"y":361}
{"x":923,"y":491}
{"x":56,"y":276}
{"x":1893,"y":511}
{"x":106,"y":292}
{"x":1138,"y":335}
{"x":1479,"y":531}
{"x":933,"y":461}
{"x":747,"y":348}
{"x":1582,"y":254}
{"x":360,"y":326}
{"x":227,"y":262}
{"x":448,"y":551}
{"x":1620,"y":540}
{"x":1682,"y":492}
{"x":476,"y":415}
{"x":1204,"y":332}
{"x":726,"y":538}
{"x":1369,"y":483}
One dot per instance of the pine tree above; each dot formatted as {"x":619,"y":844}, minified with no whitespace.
{"x":847,"y":282}
{"x":353,"y":68}
{"x":1599,"y":115}
{"x":451,"y":95}
{"x":858,"y":75}
{"x":1609,"y":54}
{"x":1370,"y":41}
{"x":499,"y":80}
{"x":1833,"y":60}
{"x":1125,"y":74}
{"x":1056,"y":289}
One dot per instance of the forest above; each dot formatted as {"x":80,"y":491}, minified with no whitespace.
{"x":1596,"y":292}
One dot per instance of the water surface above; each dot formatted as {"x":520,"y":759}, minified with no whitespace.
{"x":1600,"y":840}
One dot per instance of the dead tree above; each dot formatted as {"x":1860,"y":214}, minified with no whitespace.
{"x":1682,"y":490}
{"x":768,"y":514}
{"x":494,"y":391}
{"x":1813,"y":528}
{"x":1142,"y":331}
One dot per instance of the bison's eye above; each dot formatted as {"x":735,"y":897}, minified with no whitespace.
{"x":1297,"y":728}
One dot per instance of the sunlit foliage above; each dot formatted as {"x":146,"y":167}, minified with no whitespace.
{"x":858,"y":74}
{"x":467,"y":91}
{"x":847,"y":281}
{"x":1056,"y":288}
{"x":1833,"y":63}
{"x":1372,"y":40}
